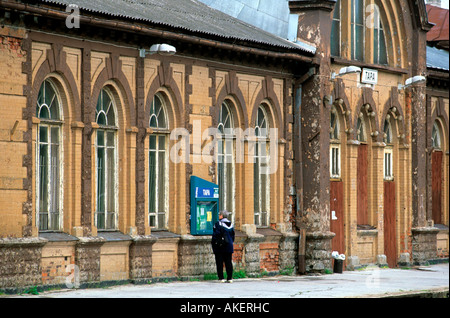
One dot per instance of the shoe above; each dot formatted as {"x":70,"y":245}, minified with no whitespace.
{"x":229,"y":281}
{"x":222,"y":280}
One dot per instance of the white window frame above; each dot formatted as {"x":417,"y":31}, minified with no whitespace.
{"x":335,"y":161}
{"x":51,"y":224}
{"x":109,"y":216}
{"x":353,"y":27}
{"x":160,"y":210}
{"x":154,"y":216}
{"x":225,"y":155}
{"x":50,"y":124}
{"x":261,"y":165}
{"x":388,"y":164}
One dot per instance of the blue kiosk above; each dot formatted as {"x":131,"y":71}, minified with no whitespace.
{"x":204,"y":206}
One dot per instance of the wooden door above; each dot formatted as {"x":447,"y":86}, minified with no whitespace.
{"x":362,"y":182}
{"x":337,"y":216}
{"x":390,"y":239}
{"x":436,"y":186}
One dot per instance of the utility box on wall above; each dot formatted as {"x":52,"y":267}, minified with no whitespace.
{"x":204,"y":206}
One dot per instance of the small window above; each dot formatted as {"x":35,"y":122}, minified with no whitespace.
{"x":436,"y":136}
{"x":388,"y":164}
{"x":387,"y":132}
{"x":360,"y":131}
{"x":334,"y":124}
{"x":335,"y":161}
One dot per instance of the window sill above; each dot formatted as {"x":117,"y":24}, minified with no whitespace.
{"x":385,"y":68}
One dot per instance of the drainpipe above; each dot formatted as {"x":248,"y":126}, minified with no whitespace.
{"x":299,"y":167}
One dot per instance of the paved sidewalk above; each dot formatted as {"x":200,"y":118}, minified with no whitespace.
{"x":371,"y":282}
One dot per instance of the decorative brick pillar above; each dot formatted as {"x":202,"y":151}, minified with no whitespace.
{"x":252,"y":256}
{"x":318,"y":251}
{"x":87,"y":258}
{"x":288,"y":251}
{"x":20,"y":262}
{"x":424,"y":245}
{"x":141,"y":258}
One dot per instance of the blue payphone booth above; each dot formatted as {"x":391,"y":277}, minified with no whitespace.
{"x":204,"y":206}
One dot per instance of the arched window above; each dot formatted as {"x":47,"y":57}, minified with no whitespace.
{"x":49,"y":198}
{"x":158,"y":165}
{"x":387,"y":132}
{"x":363,"y":22}
{"x":436,"y":136}
{"x":357,"y":30}
{"x":106,"y":162}
{"x":261,"y":185}
{"x":336,"y":30}
{"x":225,"y":165}
{"x":388,"y":153}
{"x":379,"y":41}
{"x":360,"y":129}
{"x":335,"y":156}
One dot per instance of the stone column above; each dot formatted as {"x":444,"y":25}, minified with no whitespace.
{"x":87,"y":258}
{"x":315,"y":28}
{"x":424,"y":235}
{"x":20,"y":262}
{"x":141,"y":250}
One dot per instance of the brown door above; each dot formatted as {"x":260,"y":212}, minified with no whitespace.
{"x":436,"y":185}
{"x":389,"y":223}
{"x":362,"y":184}
{"x":337,"y":216}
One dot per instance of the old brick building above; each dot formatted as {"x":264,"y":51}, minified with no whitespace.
{"x":94,"y":178}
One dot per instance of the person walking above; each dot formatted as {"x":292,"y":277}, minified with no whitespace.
{"x":222,"y":245}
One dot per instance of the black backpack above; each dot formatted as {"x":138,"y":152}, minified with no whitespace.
{"x":220,"y":240}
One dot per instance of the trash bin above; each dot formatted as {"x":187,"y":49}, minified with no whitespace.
{"x":338,"y":264}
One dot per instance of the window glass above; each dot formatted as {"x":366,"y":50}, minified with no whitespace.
{"x":48,"y":104}
{"x":387,"y":132}
{"x":360,"y":130}
{"x":436,"y":136}
{"x":357,"y":30}
{"x":336,"y":30}
{"x":225,"y":158}
{"x":158,"y":118}
{"x":106,"y":174}
{"x":48,"y":166}
{"x":261,"y":181}
{"x":157,"y":166}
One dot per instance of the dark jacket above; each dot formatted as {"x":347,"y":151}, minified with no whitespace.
{"x":226,"y":228}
